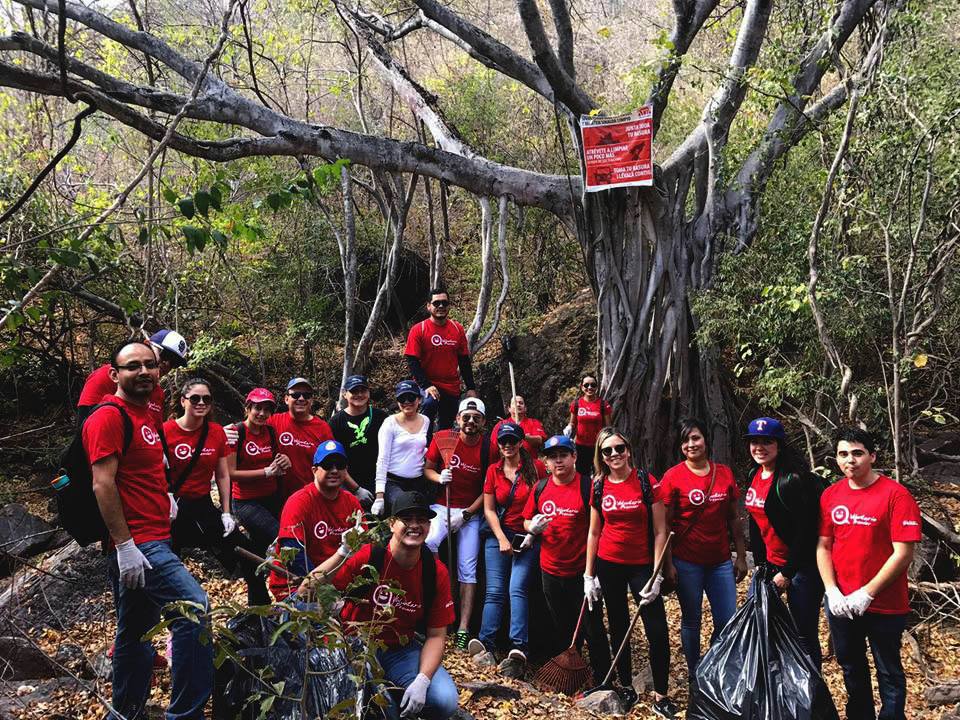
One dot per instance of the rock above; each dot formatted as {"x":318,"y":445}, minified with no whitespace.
{"x":22,"y":535}
{"x":101,"y":667}
{"x":22,"y":661}
{"x":945,"y":694}
{"x":485,"y":659}
{"x":603,"y":702}
{"x":511,"y":668}
{"x":933,"y":449}
{"x":462,"y":714}
{"x":942,"y":472}
{"x":643,"y":680}
{"x":491,"y":689}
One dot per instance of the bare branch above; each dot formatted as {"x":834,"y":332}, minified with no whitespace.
{"x":561,"y":22}
{"x":504,"y":274}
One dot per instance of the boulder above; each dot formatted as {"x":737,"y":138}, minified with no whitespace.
{"x":934,"y":448}
{"x":942,"y":472}
{"x":490,"y":689}
{"x":643,"y":680}
{"x":22,"y":661}
{"x":602,"y":702}
{"x":22,"y":535}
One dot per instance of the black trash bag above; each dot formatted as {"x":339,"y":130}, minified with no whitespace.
{"x":328,"y":684}
{"x":757,"y":669}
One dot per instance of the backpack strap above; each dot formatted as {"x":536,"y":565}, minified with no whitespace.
{"x":484,"y":455}
{"x":241,"y":438}
{"x":274,"y":447}
{"x":124,"y":417}
{"x":538,"y":491}
{"x":166,"y":456}
{"x":585,"y":493}
{"x":428,"y":576}
{"x":195,"y":458}
{"x":596,"y":500}
{"x":647,"y":491}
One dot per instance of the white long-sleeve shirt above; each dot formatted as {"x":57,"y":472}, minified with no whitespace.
{"x":401,"y":453}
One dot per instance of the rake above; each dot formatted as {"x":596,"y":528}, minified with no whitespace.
{"x":447,"y":445}
{"x":566,"y":673}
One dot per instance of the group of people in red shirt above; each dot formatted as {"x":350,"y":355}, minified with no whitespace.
{"x":576,"y":507}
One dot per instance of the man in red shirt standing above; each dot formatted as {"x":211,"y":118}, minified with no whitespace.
{"x":131,"y":490}
{"x":171,"y":352}
{"x":534,"y":433}
{"x":869,"y":524}
{"x":438,"y":357}
{"x":299,"y":432}
{"x":315,"y":516}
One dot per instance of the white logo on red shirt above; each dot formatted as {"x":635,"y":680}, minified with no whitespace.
{"x":382,"y":596}
{"x":751,"y":500}
{"x":253,"y":449}
{"x":456,"y":462}
{"x":287,"y":438}
{"x":320,"y":530}
{"x":609,"y":502}
{"x":910,"y":523}
{"x":841,"y":515}
{"x":438,"y":341}
{"x":153,"y":407}
{"x":586,"y":412}
{"x":696,"y":496}
{"x":149,"y":436}
{"x":182,"y":451}
{"x":549,"y":508}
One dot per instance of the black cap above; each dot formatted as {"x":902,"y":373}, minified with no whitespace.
{"x":355,"y":381}
{"x":407,"y":387}
{"x":411,"y":500}
{"x":509,"y":429}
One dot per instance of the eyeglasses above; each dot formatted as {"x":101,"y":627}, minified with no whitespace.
{"x":440,"y":303}
{"x":138,"y":366}
{"x":407,"y":399}
{"x":470,"y":417}
{"x":589,"y":385}
{"x":611,"y":450}
{"x":200,"y":399}
{"x":334,"y":464}
{"x":305,"y":395}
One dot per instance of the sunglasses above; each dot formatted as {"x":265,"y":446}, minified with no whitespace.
{"x":334,"y":464}
{"x":440,"y":303}
{"x":138,"y":366}
{"x":469,"y":417}
{"x":407,"y":399}
{"x":301,"y":395}
{"x":200,"y":399}
{"x":589,"y":385}
{"x":509,"y":440}
{"x":612,"y":450}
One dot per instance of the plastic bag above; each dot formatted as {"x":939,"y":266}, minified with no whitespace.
{"x":329,"y":681}
{"x":757,"y":669}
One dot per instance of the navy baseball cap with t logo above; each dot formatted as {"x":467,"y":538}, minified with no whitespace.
{"x":765,"y":427}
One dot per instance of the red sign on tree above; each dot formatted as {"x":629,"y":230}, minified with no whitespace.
{"x":617,"y":150}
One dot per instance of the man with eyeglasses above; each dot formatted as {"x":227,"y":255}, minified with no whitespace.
{"x":299,"y":432}
{"x":131,"y":490}
{"x":315,"y":517}
{"x":869,"y":526}
{"x":356,"y":427}
{"x":438,"y":357}
{"x":464,"y":473}
{"x":170,"y":350}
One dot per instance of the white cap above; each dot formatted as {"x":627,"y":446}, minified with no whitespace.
{"x":170,"y":340}
{"x":475,"y":404}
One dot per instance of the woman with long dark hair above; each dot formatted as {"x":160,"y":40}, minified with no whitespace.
{"x":402,"y":439}
{"x":588,"y":413}
{"x":784,"y":505}
{"x":508,"y":567}
{"x":628,"y":530}
{"x":700,"y":497}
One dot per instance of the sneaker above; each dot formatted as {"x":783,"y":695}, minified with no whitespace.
{"x":460,"y":639}
{"x":518,"y":655}
{"x":628,"y":697}
{"x":475,"y":647}
{"x":485,"y":659}
{"x":511,"y":666}
{"x":664,"y":707}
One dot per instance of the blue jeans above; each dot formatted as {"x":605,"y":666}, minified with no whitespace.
{"x":138,"y":610}
{"x":401,"y":665}
{"x":693,"y":580}
{"x":511,"y":572}
{"x":849,"y":642}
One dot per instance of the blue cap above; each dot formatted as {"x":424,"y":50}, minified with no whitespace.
{"x":299,"y":381}
{"x":559,"y":442}
{"x":326,"y":449}
{"x":766,"y":427}
{"x":171,"y":341}
{"x":355,"y":381}
{"x":510,"y":429}
{"x":407,"y":387}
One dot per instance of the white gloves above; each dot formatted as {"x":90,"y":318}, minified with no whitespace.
{"x":233,"y":435}
{"x":857,"y":602}
{"x":345,"y":550}
{"x":456,"y":520}
{"x":415,"y":696}
{"x":446,"y":476}
{"x":364,"y":495}
{"x":836,"y":602}
{"x":229,"y":523}
{"x":568,"y":431}
{"x":527,"y":542}
{"x":539,"y":522}
{"x":133,"y":564}
{"x":377,"y":507}
{"x":591,"y":590}
{"x":648,"y":596}
{"x":173,"y":507}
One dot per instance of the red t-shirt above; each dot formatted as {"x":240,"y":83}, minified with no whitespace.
{"x":497,"y":484}
{"x":316,"y":524}
{"x":141,"y":480}
{"x":98,"y":384}
{"x":563,"y":544}
{"x":589,"y":419}
{"x":466,"y":464}
{"x":864,"y":524}
{"x":530,"y":427}
{"x":439,"y":347}
{"x":256,"y":454}
{"x":407,"y":609}
{"x":182,"y":443}
{"x":708,"y":541}
{"x":298,"y":441}
{"x":624,"y":537}
{"x":778,"y":552}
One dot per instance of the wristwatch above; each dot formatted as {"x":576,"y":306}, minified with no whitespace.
{"x":467,"y":515}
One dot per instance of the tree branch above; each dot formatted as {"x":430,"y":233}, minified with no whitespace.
{"x":561,"y":22}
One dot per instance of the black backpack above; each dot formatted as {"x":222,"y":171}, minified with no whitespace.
{"x":428,"y":576}
{"x":647,"y":492}
{"x":76,"y":503}
{"x":584,"y":492}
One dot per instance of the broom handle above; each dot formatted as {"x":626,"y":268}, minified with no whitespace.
{"x":513,"y":389}
{"x":576,"y":631}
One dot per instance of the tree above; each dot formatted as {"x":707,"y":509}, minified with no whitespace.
{"x":646,"y":251}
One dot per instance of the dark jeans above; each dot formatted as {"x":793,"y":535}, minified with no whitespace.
{"x":138,"y":610}
{"x":585,"y":460}
{"x":805,"y":599}
{"x":397,"y":485}
{"x":564,"y":596}
{"x":849,"y":642}
{"x":615,"y":579}
{"x":441,"y":412}
{"x":199,"y":525}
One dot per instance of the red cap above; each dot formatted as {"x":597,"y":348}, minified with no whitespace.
{"x":259,"y":395}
